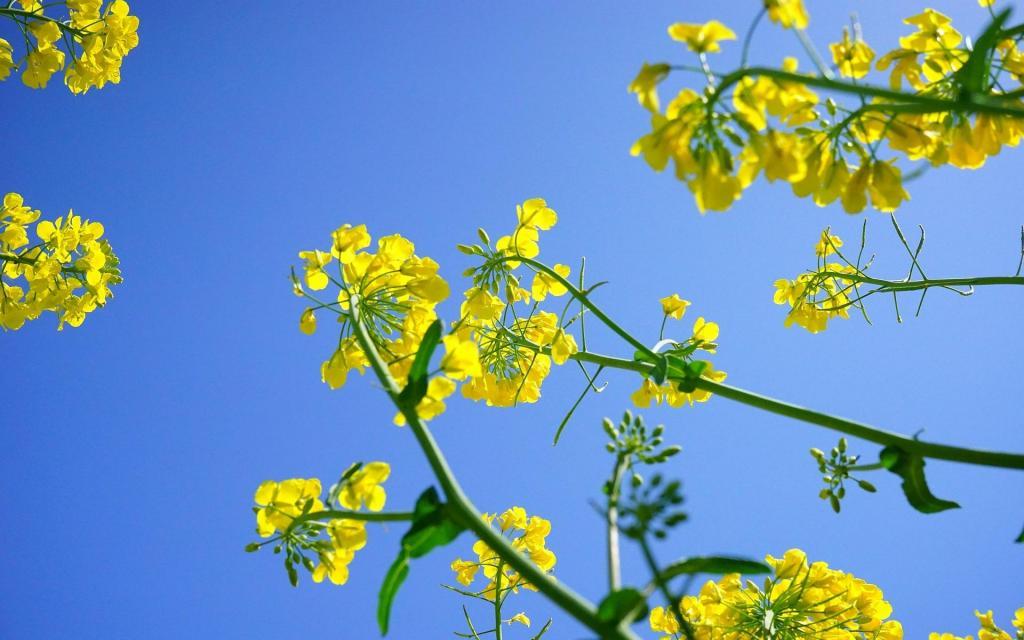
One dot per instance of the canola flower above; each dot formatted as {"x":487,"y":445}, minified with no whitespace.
{"x":65,"y":266}
{"x":801,"y":600}
{"x":772,"y":123}
{"x":96,"y":36}
{"x":989,"y":629}
{"x":528,"y":534}
{"x":290,"y":508}
{"x":821,"y":294}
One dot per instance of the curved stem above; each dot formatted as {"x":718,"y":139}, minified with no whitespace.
{"x":468,"y":515}
{"x":917,"y":285}
{"x":849,"y":427}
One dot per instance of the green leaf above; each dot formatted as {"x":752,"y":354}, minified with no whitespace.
{"x":687,"y":374}
{"x":910,"y":467}
{"x":718,"y":565}
{"x":432,"y":527}
{"x":973,"y":76}
{"x":416,"y":387}
{"x":1020,"y":538}
{"x":620,"y":605}
{"x":396,"y":575}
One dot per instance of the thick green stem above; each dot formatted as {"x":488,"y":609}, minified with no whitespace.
{"x":994,"y":105}
{"x":849,"y":427}
{"x":612,"y":513}
{"x":917,"y":285}
{"x":497,"y":600}
{"x":366,"y":516}
{"x":468,"y":515}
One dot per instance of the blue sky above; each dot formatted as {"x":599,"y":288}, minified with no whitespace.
{"x":245,"y":132}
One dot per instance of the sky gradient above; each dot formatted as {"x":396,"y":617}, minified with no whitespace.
{"x":243,"y":133}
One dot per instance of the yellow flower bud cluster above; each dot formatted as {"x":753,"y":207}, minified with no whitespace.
{"x":822,"y":294}
{"x":516,"y":348}
{"x":97,"y":37}
{"x":825,"y":151}
{"x":68,"y":271}
{"x":335,"y":542}
{"x":800,"y":600}
{"x":989,"y":630}
{"x":527,"y":534}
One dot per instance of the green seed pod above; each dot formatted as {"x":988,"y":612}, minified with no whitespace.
{"x":867,"y":486}
{"x":486,"y":239}
{"x":835,"y":503}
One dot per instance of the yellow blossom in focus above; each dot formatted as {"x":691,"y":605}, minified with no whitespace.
{"x":828,"y":244}
{"x":674,"y":306}
{"x":307,"y":322}
{"x":461,"y":358}
{"x":701,"y":38}
{"x":521,"y":618}
{"x":281,"y":502}
{"x":705,"y":332}
{"x":545,"y":284}
{"x":563,"y":345}
{"x":363,"y":488}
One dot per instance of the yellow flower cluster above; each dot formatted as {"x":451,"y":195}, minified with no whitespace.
{"x":97,"y":37}
{"x":703,"y":339}
{"x":528,"y":535}
{"x":801,"y":600}
{"x":989,"y":630}
{"x":278,"y":504}
{"x":69,"y":271}
{"x":516,"y":349}
{"x":825,"y":151}
{"x":817,"y":296}
{"x":394,"y":292}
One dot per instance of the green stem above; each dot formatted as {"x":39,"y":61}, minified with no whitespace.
{"x":812,"y":53}
{"x":366,"y":516}
{"x":579,"y":295}
{"x":468,"y":515}
{"x":14,"y":14}
{"x":497,"y":601}
{"x":917,"y":285}
{"x":672,"y":601}
{"x":612,"y":513}
{"x":849,"y":427}
{"x":993,"y":104}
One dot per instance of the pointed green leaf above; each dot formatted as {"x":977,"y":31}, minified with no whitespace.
{"x":432,"y":527}
{"x":620,"y":605}
{"x":1020,"y":538}
{"x":396,"y":575}
{"x":416,"y":387}
{"x":718,"y":565}
{"x":910,"y":467}
{"x":974,"y":74}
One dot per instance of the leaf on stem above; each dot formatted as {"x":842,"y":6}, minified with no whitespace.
{"x":626,"y":604}
{"x":910,"y":467}
{"x":416,"y":387}
{"x":718,"y":565}
{"x":432,"y":527}
{"x":974,"y":74}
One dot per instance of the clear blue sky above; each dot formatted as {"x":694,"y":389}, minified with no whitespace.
{"x":244,"y":132}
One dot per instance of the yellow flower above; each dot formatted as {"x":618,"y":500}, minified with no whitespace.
{"x":563,"y":345}
{"x":521,"y":618}
{"x":461,"y":358}
{"x":828,"y":244}
{"x":648,"y":391}
{"x":348,"y":240}
{"x":853,"y":58}
{"x":645,"y":85}
{"x":714,"y":188}
{"x":536,"y":213}
{"x":701,"y":38}
{"x":280,"y":502}
{"x":674,"y":306}
{"x":363,"y":488}
{"x":432,"y":404}
{"x":307,"y":322}
{"x":482,"y":304}
{"x":316,"y":260}
{"x":855,"y":195}
{"x":6,"y":59}
{"x":544,"y":284}
{"x":704,"y":332}
{"x":465,"y":571}
{"x":791,"y":14}
{"x":663,"y":620}
{"x":886,"y":187}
